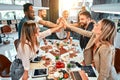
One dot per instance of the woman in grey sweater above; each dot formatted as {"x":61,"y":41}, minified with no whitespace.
{"x":100,"y":49}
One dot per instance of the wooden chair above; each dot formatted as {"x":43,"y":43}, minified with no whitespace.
{"x":16,"y":42}
{"x":117,"y":60}
{"x":6,"y":30}
{"x":4,"y":66}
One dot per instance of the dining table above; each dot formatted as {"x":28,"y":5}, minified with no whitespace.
{"x":62,"y":59}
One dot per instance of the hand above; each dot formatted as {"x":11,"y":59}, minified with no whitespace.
{"x":64,"y":22}
{"x":65,"y":40}
{"x":25,"y":75}
{"x":61,"y":24}
{"x":58,"y":20}
{"x":83,"y":63}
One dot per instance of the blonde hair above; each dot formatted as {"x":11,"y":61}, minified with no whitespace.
{"x":65,"y":12}
{"x":29,"y":29}
{"x":109,"y":31}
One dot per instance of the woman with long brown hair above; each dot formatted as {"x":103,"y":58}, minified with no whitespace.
{"x":100,"y":48}
{"x":29,"y":45}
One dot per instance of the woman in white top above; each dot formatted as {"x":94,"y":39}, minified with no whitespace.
{"x":29,"y":45}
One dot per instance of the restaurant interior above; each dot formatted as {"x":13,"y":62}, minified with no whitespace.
{"x":58,"y":58}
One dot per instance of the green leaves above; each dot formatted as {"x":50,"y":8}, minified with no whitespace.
{"x":56,"y":57}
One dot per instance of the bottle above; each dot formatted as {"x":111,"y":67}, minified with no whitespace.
{"x":71,"y":38}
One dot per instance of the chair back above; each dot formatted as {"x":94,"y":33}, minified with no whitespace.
{"x":4,"y":66}
{"x":16,"y":42}
{"x":6,"y":29}
{"x":117,"y":60}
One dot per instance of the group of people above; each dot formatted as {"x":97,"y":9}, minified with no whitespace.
{"x":97,"y":40}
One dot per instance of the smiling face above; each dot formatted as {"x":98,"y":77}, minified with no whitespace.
{"x":97,"y":28}
{"x":65,"y":14}
{"x":42,"y":13}
{"x":83,"y":20}
{"x":30,"y":13}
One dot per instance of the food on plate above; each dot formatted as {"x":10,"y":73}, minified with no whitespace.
{"x":60,"y":64}
{"x":46,"y":48}
{"x":62,"y":50}
{"x":47,"y":61}
{"x":51,"y":69}
{"x":55,"y":52}
{"x":66,"y":75}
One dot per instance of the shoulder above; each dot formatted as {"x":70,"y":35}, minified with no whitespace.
{"x":22,"y":21}
{"x":106,"y":47}
{"x":37,"y":18}
{"x":91,"y":25}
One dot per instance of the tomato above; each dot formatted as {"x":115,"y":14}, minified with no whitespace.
{"x":66,"y":75}
{"x":58,"y":63}
{"x":58,"y":66}
{"x":62,"y":65}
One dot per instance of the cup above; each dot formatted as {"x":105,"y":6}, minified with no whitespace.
{"x":47,"y":61}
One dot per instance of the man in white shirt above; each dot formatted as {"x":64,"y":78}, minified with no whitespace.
{"x":41,"y":14}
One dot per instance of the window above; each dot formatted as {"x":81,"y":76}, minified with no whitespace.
{"x":21,"y":2}
{"x":73,"y":6}
{"x":6,"y":1}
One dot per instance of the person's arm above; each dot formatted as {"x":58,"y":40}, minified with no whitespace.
{"x":55,"y":29}
{"x":47,"y":23}
{"x":75,"y":24}
{"x":80,"y":31}
{"x":49,"y":32}
{"x":68,"y":35}
{"x":25,"y":75}
{"x":76,"y":29}
{"x":105,"y":62}
{"x":58,"y":20}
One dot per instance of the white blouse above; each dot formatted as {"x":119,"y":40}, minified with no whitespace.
{"x":28,"y":54}
{"x":25,"y":55}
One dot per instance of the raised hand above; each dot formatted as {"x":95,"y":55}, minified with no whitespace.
{"x":64,"y":22}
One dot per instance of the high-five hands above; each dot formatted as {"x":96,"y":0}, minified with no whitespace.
{"x":60,"y":23}
{"x":64,"y":23}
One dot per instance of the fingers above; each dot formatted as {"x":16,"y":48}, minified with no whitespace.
{"x":62,"y":22}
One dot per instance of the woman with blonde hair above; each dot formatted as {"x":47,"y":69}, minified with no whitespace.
{"x":29,"y":46}
{"x":62,"y":34}
{"x":100,"y":48}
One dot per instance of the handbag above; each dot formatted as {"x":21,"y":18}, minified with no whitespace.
{"x":16,"y":69}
